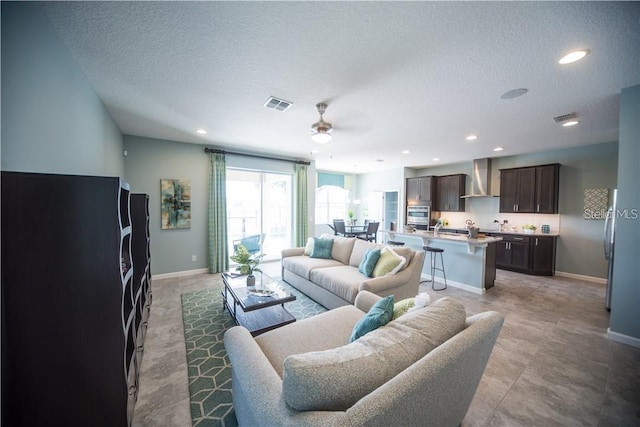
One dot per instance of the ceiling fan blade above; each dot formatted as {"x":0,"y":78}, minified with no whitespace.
{"x":355,"y":123}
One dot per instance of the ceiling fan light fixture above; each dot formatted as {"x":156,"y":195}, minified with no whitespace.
{"x":321,"y":130}
{"x":321,"y":137}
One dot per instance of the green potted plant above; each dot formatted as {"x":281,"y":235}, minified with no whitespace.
{"x":247,"y":263}
{"x":351,"y":215}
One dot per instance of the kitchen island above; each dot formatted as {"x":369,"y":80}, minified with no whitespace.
{"x":470,"y":264}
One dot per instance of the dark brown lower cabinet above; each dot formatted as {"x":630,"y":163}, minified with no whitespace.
{"x":513,"y":252}
{"x":543,"y":259}
{"x":526,"y":254}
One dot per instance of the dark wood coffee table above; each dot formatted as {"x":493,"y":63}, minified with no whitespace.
{"x":258,"y":310}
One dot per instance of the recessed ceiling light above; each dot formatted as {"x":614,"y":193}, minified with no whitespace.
{"x":379,"y":160}
{"x":436,"y":159}
{"x":498,"y":149}
{"x":514,"y":93}
{"x":406,"y":152}
{"x":472,"y":137}
{"x":570,"y":123}
{"x":573,"y":57}
{"x":201,"y":132}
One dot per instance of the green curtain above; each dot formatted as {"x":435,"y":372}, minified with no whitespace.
{"x":301,"y":230}
{"x":218,"y":248}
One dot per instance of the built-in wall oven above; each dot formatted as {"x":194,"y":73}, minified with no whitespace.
{"x":419,"y":217}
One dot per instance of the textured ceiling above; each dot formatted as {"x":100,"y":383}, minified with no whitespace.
{"x":416,"y":76}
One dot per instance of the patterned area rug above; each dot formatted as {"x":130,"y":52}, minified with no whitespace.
{"x":205,"y":322}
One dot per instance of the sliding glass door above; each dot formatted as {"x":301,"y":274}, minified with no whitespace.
{"x":259,"y":208}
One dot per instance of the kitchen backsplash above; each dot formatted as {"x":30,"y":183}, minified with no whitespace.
{"x":483,"y":211}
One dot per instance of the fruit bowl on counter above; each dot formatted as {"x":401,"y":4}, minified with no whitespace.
{"x":529,"y":229}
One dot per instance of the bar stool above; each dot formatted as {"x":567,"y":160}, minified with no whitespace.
{"x":433,"y":254}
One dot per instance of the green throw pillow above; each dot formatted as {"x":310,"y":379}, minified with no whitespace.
{"x":322,"y":248}
{"x":379,"y":315}
{"x":389,"y":263}
{"x":369,"y":261}
{"x":401,"y":307}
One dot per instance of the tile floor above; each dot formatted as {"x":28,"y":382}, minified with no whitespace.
{"x":552,"y":364}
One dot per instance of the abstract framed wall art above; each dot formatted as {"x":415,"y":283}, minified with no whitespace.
{"x":176,"y":203}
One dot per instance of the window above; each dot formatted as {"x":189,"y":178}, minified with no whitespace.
{"x":331,"y":203}
{"x":260,"y":204}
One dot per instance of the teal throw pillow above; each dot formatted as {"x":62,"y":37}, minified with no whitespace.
{"x":321,"y":248}
{"x":379,"y":315}
{"x":369,"y":261}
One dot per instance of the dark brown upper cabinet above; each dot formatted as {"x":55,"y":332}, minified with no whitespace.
{"x":531,"y":189}
{"x":420,"y":191}
{"x":449,"y":189}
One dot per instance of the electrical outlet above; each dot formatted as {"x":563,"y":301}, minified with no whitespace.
{"x":194,"y":258}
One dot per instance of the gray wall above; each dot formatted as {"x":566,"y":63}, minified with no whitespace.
{"x":580,"y":243}
{"x":149,"y":160}
{"x":625,"y":303}
{"x":52,"y":119}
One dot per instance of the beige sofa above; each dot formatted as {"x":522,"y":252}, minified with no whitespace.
{"x":336,"y":282}
{"x":421,"y":369}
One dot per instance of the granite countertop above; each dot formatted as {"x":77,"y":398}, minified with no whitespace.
{"x":448,"y":236}
{"x":493,"y":231}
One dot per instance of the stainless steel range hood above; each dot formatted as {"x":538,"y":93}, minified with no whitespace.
{"x":481,"y":179}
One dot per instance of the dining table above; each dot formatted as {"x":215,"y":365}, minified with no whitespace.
{"x":355,"y":230}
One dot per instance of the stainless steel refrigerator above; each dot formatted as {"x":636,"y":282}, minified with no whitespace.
{"x":609,"y":240}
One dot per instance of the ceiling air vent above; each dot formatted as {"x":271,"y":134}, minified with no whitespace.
{"x":278,"y":104}
{"x":564,"y":117}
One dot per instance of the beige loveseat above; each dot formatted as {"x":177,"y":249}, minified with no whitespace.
{"x":421,"y":369}
{"x":336,"y":282}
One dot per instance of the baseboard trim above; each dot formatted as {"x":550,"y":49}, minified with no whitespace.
{"x":624,"y":339}
{"x":455,"y":284}
{"x":582,"y":277}
{"x":180,"y":273}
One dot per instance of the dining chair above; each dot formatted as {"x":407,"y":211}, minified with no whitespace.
{"x":371,"y":234}
{"x":338,"y":225}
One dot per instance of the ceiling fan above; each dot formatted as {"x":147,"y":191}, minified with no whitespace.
{"x":321,"y":130}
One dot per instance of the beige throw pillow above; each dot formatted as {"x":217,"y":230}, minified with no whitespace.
{"x":309,"y":247}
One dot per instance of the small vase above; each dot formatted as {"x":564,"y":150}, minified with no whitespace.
{"x":251,"y":281}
